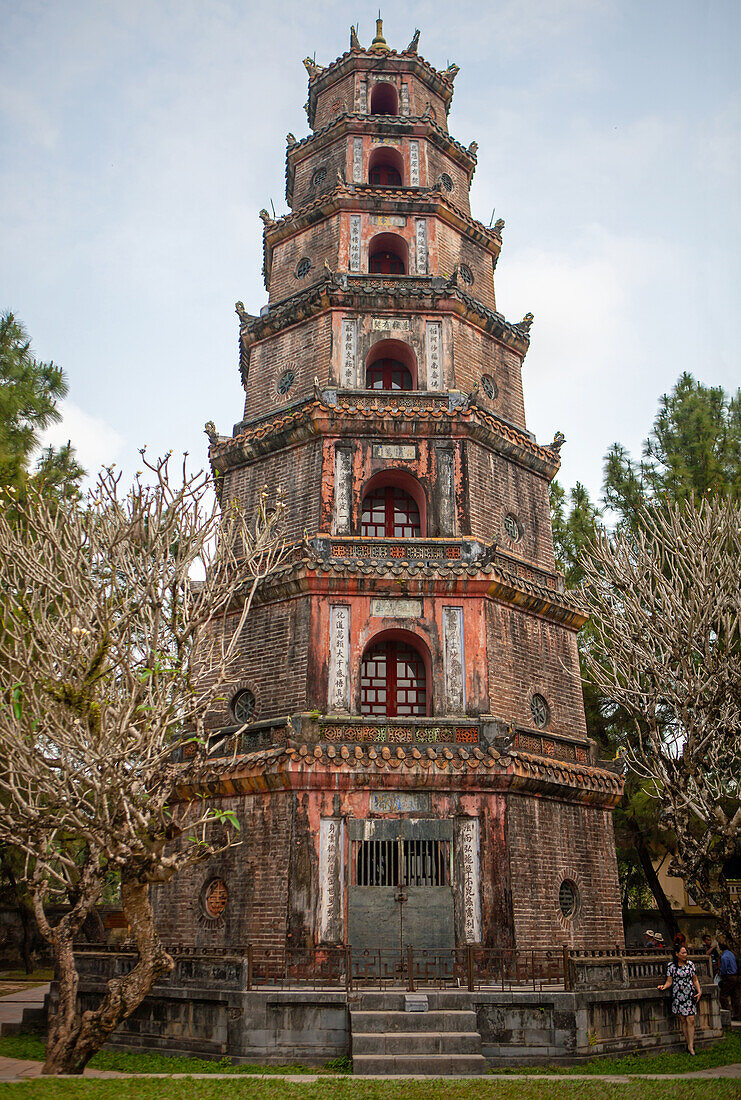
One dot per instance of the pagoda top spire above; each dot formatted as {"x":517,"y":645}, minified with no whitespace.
{"x":379,"y":43}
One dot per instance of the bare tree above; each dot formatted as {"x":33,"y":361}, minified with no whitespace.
{"x":665,"y":602}
{"x":113,"y":645}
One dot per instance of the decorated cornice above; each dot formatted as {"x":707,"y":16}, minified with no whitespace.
{"x":371,"y":292}
{"x":358,"y":60}
{"x":375,"y":200}
{"x":318,"y":416}
{"x":349,"y":124}
{"x":297,"y":766}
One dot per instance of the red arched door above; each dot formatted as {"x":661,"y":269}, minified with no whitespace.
{"x":386,"y":263}
{"x":390,"y":513}
{"x":393,"y":681}
{"x":385,"y":175}
{"x":388,"y":374}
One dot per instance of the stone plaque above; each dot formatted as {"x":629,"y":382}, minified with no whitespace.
{"x":388,"y":219}
{"x":406,"y":451}
{"x":446,"y":493}
{"x":396,"y":609}
{"x":349,"y":341}
{"x":404,"y":105}
{"x":396,"y":142}
{"x":399,"y":802}
{"x":454,"y":669}
{"x":468,"y":838}
{"x":355,"y":242}
{"x":357,"y":160}
{"x":387,"y":324}
{"x":421,"y":246}
{"x":339,"y":657}
{"x":434,"y":342}
{"x":331,"y":877}
{"x":361,"y":98}
{"x":414,"y":164}
{"x":342,"y":490}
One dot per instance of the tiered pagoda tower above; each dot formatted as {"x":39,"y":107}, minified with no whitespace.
{"x":412,"y":759}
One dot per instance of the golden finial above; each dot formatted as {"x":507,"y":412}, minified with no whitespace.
{"x":379,"y":44}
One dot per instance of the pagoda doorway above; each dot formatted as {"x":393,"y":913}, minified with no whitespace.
{"x":400,"y":891}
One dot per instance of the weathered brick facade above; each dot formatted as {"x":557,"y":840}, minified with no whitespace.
{"x":452,"y":797}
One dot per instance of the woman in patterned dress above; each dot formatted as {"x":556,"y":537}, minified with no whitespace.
{"x":681,"y":978}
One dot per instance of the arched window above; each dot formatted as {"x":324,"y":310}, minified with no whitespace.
{"x":388,"y":374}
{"x":389,"y":512}
{"x":393,"y":680}
{"x":384,"y":99}
{"x":386,"y":168}
{"x":390,"y":365}
{"x":387,"y":255}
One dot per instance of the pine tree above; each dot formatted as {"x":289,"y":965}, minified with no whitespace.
{"x":30,"y":392}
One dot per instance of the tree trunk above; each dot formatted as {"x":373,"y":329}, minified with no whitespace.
{"x":87,"y":1034}
{"x":662,"y":901}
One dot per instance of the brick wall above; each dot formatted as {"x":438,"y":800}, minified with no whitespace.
{"x":319,"y":242}
{"x":332,"y":157}
{"x":475,"y":354}
{"x":296,"y":471}
{"x":437,"y":163}
{"x":257,"y":905}
{"x":272,"y":660}
{"x":549,"y":841}
{"x":452,"y":249}
{"x":528,"y":655}
{"x":338,"y":97}
{"x":304,"y":348}
{"x":497,"y":486}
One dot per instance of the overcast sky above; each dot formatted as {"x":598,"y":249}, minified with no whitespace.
{"x":139,"y":140}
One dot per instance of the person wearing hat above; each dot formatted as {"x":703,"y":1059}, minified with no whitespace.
{"x":654,"y":940}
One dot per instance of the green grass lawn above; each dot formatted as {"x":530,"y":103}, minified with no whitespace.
{"x":31,"y":1047}
{"x":725,"y":1052}
{"x":39,"y":976}
{"x":358,"y":1089}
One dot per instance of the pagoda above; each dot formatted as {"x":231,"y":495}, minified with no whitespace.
{"x":405,"y":746}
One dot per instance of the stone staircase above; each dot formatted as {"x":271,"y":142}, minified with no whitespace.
{"x":397,"y":1034}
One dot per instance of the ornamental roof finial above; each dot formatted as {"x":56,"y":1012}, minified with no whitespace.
{"x":379,"y":43}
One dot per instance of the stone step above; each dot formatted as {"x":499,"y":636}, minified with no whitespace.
{"x":426,"y":1065}
{"x":369,"y":1022}
{"x":415,"y":1043}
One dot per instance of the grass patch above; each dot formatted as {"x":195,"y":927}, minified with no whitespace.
{"x":359,"y":1089}
{"x":31,"y":1048}
{"x":725,"y":1052}
{"x":43,"y":974}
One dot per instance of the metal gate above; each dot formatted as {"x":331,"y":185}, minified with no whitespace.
{"x":400,"y":890}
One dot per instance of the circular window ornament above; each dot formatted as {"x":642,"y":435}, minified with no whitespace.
{"x":319,"y":177}
{"x":336,"y":107}
{"x":512,"y":527}
{"x":568,"y":898}
{"x":540,"y":711}
{"x":446,"y":181}
{"x":243,"y":706}
{"x":430,"y":110}
{"x":303,"y":267}
{"x":466,"y":274}
{"x":215,"y":897}
{"x":286,"y":380}
{"x":489,"y":386}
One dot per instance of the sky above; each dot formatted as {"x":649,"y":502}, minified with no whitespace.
{"x":139,"y":140}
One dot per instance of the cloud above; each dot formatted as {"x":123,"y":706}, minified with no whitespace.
{"x":95,"y":441}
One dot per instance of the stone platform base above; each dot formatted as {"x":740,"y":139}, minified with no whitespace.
{"x":278,"y":1026}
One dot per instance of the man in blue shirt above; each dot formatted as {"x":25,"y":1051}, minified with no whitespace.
{"x":728,"y":973}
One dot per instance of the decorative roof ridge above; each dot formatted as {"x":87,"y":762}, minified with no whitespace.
{"x":279,"y":420}
{"x":390,"y":120}
{"x":434,"y":285}
{"x":450,"y":759}
{"x":567,"y":600}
